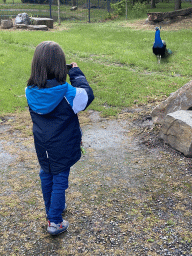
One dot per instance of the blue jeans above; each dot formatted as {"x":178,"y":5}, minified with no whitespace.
{"x":53,"y":189}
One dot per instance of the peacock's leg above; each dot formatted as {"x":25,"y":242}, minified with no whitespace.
{"x":158,"y":59}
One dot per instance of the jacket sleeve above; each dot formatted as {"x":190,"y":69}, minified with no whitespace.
{"x":83,"y":91}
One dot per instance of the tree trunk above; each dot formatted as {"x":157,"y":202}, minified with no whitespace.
{"x":177,"y":4}
{"x":153,"y":4}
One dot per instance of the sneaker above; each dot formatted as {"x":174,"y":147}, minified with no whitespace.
{"x":55,"y":229}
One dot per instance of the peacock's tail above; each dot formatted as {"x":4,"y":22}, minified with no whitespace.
{"x":169,"y":51}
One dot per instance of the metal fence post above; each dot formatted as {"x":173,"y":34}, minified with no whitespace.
{"x":50,"y":8}
{"x":89,"y":7}
{"x":108,"y":5}
{"x":126,"y":8}
{"x":59,"y":20}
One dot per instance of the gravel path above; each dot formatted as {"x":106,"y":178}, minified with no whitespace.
{"x":129,"y":194}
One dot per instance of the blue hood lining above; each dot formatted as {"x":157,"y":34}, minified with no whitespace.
{"x":45,"y":100}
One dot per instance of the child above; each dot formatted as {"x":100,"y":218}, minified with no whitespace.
{"x":53,"y":105}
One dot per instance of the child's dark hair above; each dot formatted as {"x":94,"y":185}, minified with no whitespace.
{"x":48,"y":63}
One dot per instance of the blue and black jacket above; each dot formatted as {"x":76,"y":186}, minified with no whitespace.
{"x":56,"y":128}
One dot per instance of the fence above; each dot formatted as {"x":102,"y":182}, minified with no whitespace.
{"x":84,"y":10}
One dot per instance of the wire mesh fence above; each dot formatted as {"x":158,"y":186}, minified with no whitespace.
{"x":72,"y":10}
{"x":84,"y":10}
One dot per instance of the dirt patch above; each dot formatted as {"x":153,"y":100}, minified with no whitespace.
{"x":129,"y":194}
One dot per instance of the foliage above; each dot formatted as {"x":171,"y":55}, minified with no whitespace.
{"x":135,"y":11}
{"x":119,"y":7}
{"x":138,"y":9}
{"x":167,"y":6}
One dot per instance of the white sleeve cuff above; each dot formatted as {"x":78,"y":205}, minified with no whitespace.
{"x":80,"y":100}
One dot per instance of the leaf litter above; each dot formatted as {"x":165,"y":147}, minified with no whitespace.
{"x":130,"y":194}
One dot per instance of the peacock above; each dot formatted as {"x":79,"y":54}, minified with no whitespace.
{"x":159,"y":46}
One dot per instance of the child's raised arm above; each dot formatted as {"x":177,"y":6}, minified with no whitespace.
{"x":78,"y":80}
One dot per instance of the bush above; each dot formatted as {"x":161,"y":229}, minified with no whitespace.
{"x":135,"y":11}
{"x":138,"y":9}
{"x":119,"y":7}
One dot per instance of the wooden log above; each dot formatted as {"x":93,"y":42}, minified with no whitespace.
{"x":159,"y":16}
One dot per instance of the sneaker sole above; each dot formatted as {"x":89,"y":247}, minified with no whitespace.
{"x":58,"y":231}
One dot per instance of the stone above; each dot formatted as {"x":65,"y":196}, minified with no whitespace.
{"x":37,"y":27}
{"x":6,"y":24}
{"x":22,"y":18}
{"x":22,"y":26}
{"x":73,"y":8}
{"x":179,"y":100}
{"x":42,"y":21}
{"x":177,"y":131}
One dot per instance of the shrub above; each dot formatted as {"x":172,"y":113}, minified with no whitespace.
{"x":138,"y":9}
{"x":119,"y":7}
{"x":135,"y":11}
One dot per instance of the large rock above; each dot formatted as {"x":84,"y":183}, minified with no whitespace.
{"x":179,"y":100}
{"x":42,"y":21}
{"x":37,"y":27}
{"x":6,"y":24}
{"x":22,"y":18}
{"x":177,"y":131}
{"x":22,"y":26}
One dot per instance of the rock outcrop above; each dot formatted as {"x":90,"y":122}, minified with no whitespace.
{"x":177,"y":131}
{"x":179,"y":100}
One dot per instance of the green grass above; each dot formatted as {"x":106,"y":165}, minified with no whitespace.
{"x":168,"y":7}
{"x":117,"y":61}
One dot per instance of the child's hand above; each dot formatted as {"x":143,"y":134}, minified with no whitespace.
{"x":74,"y":64}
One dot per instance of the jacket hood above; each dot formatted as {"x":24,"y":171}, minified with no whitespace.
{"x":45,"y":100}
{"x":158,"y":42}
